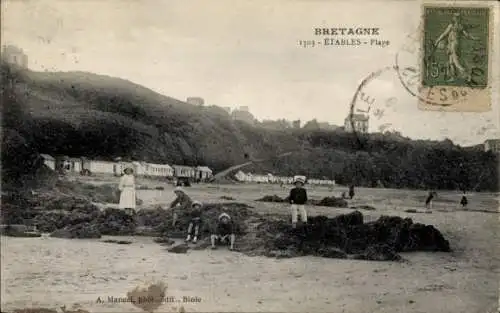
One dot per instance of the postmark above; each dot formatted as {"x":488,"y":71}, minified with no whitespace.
{"x":363,"y":106}
{"x":408,"y":70}
{"x":455,"y":57}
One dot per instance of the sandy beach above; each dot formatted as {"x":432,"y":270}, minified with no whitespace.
{"x":52,"y":272}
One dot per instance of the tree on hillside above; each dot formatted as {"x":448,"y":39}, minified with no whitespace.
{"x":112,"y":117}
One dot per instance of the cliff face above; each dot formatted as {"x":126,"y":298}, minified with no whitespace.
{"x":83,"y":114}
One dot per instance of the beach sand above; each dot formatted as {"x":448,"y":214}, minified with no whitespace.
{"x":51,"y":272}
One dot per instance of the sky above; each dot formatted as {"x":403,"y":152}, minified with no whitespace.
{"x":247,"y":53}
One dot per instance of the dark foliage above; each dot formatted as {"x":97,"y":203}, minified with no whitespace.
{"x":82,"y":114}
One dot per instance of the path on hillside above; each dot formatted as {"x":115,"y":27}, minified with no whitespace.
{"x":232,"y":169}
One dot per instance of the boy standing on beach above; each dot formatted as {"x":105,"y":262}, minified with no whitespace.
{"x":298,"y":198}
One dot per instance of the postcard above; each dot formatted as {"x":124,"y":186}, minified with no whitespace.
{"x":250,"y":156}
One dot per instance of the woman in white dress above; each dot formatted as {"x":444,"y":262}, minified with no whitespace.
{"x":127,"y":190}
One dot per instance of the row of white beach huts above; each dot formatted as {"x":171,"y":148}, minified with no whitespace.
{"x":86,"y":166}
{"x":272,"y":179}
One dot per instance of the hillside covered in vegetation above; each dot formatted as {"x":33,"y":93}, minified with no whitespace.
{"x":84,"y":114}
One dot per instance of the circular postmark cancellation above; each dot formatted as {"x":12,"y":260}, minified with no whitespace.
{"x":408,"y":69}
{"x":358,"y":115}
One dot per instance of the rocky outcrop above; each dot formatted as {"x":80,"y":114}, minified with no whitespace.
{"x":327,"y":201}
{"x":273,"y":198}
{"x":79,"y":231}
{"x":331,"y":202}
{"x":19,"y":231}
{"x":347,"y":236}
{"x":115,"y":222}
{"x":343,"y":236}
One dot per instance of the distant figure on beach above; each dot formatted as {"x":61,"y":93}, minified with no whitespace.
{"x":464,"y":201}
{"x":127,"y":191}
{"x":181,"y":202}
{"x":223,"y":231}
{"x":298,"y":199}
{"x":428,"y":201}
{"x":351,"y":192}
{"x":195,"y":221}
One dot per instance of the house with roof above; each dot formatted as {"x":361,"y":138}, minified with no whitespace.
{"x":105,"y":167}
{"x":203,"y":172}
{"x":159,"y":170}
{"x":492,"y":145}
{"x":184,"y":171}
{"x":14,"y":55}
{"x":241,"y":176}
{"x":356,"y":123}
{"x":48,"y":161}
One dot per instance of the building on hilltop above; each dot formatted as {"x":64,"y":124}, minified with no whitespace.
{"x":296,"y":124}
{"x":228,"y":109}
{"x":243,"y":114}
{"x":492,"y":145}
{"x":280,"y":124}
{"x":195,"y":101}
{"x":14,"y":55}
{"x":359,"y":121}
{"x":327,"y":126}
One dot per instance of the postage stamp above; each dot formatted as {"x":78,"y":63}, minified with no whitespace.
{"x":455,"y":57}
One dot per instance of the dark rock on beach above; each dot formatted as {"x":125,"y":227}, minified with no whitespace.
{"x":115,"y":222}
{"x":347,"y":236}
{"x":273,"y":198}
{"x":164,"y":241}
{"x":18,"y":231}
{"x":119,"y":242}
{"x":182,"y":248}
{"x":378,"y":253}
{"x":80,"y":231}
{"x":343,"y":236}
{"x":363,"y":207}
{"x":327,"y":201}
{"x":331,"y":202}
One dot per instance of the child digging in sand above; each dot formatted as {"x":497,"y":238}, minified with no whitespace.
{"x":223,"y":232}
{"x":298,"y":198}
{"x":195,"y":221}
{"x":181,"y":202}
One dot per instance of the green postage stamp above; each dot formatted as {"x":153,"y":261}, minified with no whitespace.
{"x":456,"y":53}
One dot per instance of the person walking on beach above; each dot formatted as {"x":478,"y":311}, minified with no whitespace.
{"x":224,"y":230}
{"x":428,"y":201}
{"x":351,"y":191}
{"x":127,"y":191}
{"x":298,"y":199}
{"x":195,"y":221}
{"x":181,"y":202}
{"x":464,"y":201}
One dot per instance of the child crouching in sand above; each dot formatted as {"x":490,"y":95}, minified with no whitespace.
{"x":195,"y":221}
